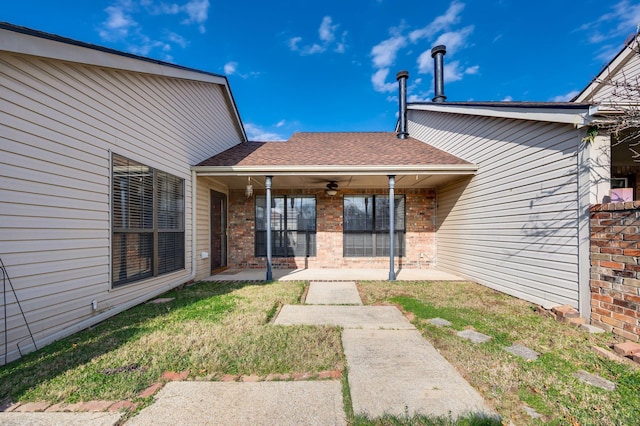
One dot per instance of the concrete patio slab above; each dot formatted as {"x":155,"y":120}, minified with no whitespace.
{"x":398,"y":372}
{"x":361,"y":274}
{"x":366,"y":317}
{"x":232,"y":403}
{"x":60,"y":419}
{"x":333,"y":293}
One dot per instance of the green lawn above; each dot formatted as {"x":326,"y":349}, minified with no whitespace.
{"x":217,"y":329}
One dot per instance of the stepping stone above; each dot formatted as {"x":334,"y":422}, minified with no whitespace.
{"x":532,"y":412}
{"x":162,"y":300}
{"x":594,"y":380}
{"x":523,"y":351}
{"x":591,"y":329}
{"x":474,"y":336}
{"x":439,"y":322}
{"x":333,"y":293}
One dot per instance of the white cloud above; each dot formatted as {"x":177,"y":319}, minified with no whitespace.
{"x":122,"y":26}
{"x":118,"y":22}
{"x":566,"y":97}
{"x":507,"y":99}
{"x":281,"y":123}
{"x":294,"y":42}
{"x":454,"y":71}
{"x":442,"y":22}
{"x":454,"y":40}
{"x":441,"y":30}
{"x":384,"y":53}
{"x":327,"y":40}
{"x":257,"y":133}
{"x":379,"y":81}
{"x":326,"y":30}
{"x":230,"y":68}
{"x":621,"y":21}
{"x":198,"y":13}
{"x":177,"y":39}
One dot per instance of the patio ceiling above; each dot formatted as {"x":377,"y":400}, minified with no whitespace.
{"x":355,"y":160}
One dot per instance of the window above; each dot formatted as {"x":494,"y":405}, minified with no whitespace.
{"x":366,"y":225}
{"x":147,"y":221}
{"x":293,"y":226}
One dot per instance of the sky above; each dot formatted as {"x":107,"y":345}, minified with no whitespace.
{"x":330,"y":65}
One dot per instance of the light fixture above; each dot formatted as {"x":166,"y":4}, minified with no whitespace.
{"x":249,"y":190}
{"x":332,"y":188}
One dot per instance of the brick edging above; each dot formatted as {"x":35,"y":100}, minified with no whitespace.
{"x":168,"y":376}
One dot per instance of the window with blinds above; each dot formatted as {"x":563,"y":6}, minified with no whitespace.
{"x":293,"y":226}
{"x":366,"y":225}
{"x":147,"y":222}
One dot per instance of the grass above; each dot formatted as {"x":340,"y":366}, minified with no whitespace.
{"x":509,"y":383}
{"x":208,"y":329}
{"x":216,"y":329}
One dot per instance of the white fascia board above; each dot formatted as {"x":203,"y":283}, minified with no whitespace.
{"x":424,"y":169}
{"x":20,"y":43}
{"x":553,"y":115}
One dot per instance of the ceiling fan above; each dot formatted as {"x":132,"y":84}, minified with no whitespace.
{"x":332,"y":188}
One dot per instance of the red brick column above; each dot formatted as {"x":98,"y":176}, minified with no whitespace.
{"x":615,"y":268}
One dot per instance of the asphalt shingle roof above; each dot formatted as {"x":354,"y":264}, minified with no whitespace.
{"x":335,"y":149}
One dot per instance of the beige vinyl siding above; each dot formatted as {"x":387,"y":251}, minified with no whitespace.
{"x":514,"y":225}
{"x":59,"y":123}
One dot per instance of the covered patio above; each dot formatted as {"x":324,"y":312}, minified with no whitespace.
{"x":328,"y":203}
{"x":333,"y":274}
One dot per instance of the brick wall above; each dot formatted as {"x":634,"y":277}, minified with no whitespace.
{"x":420,"y":232}
{"x":615,"y":268}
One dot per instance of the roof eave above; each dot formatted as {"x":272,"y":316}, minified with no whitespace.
{"x":370,"y":170}
{"x":576,"y":116}
{"x":21,"y":40}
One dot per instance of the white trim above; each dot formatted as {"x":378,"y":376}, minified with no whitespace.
{"x":16,"y":42}
{"x":426,"y":169}
{"x":583,"y":231}
{"x":577,"y":117}
{"x":610,"y":69}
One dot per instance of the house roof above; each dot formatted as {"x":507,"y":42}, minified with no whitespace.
{"x":334,"y":149}
{"x":355,"y":159}
{"x":22,"y":40}
{"x":578,"y":114}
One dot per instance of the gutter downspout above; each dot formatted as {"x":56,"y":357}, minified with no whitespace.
{"x":392,"y":227}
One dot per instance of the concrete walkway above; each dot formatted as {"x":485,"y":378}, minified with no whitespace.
{"x":392,"y":369}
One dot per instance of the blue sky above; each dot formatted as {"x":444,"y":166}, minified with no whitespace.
{"x":330,"y":65}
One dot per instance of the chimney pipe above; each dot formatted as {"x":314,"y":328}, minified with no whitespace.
{"x":402,"y":77}
{"x":438,"y":53}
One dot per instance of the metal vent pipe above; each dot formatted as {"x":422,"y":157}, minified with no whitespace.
{"x":437,"y":53}
{"x":402,"y":77}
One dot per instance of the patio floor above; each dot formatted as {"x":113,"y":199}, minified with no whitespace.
{"x":334,"y":275}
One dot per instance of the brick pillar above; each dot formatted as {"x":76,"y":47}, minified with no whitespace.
{"x":615,"y":268}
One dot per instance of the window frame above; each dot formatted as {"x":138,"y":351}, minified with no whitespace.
{"x":147,"y":222}
{"x":279,"y":235}
{"x":375,"y":229}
